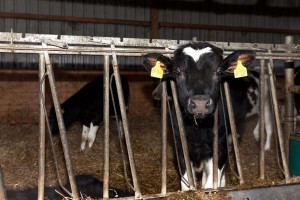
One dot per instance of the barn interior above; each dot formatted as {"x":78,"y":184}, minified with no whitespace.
{"x":255,"y":23}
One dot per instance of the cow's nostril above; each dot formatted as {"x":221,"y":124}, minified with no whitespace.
{"x":209,"y":103}
{"x":192,"y":104}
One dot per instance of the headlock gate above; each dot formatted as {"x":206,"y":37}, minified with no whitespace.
{"x":45,"y":45}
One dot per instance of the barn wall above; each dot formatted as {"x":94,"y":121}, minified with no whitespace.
{"x":19,"y":92}
{"x":272,"y":14}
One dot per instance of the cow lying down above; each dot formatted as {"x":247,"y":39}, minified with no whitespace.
{"x":87,"y":186}
{"x":86,"y":107}
{"x":198,"y":70}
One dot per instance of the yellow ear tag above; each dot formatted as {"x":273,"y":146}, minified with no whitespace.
{"x":240,"y":70}
{"x":62,"y":111}
{"x":157,"y":71}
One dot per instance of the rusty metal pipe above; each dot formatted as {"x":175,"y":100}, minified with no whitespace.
{"x":164,"y":138}
{"x":106,"y":127}
{"x":125,"y":123}
{"x":182,"y":137}
{"x":216,"y":150}
{"x":288,"y":97}
{"x":42,"y":128}
{"x":61,"y":125}
{"x":278,"y":122}
{"x":295,"y":89}
{"x":262,"y":120}
{"x":233,"y":132}
{"x":121,"y":136}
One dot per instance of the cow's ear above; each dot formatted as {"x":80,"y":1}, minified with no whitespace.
{"x":246,"y":57}
{"x":149,"y":61}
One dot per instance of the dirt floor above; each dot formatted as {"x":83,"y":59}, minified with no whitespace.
{"x":19,"y":157}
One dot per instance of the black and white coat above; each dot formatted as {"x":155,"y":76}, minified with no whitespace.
{"x":86,"y":107}
{"x":198,"y":70}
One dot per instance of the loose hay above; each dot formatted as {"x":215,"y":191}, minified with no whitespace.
{"x":19,"y":158}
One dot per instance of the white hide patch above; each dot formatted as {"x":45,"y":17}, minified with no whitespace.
{"x":84,"y":138}
{"x":196,"y":53}
{"x":185,"y":186}
{"x":92,"y":134}
{"x":207,"y":176}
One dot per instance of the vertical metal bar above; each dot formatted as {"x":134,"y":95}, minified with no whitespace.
{"x":125,"y":124}
{"x":2,"y":188}
{"x":182,"y":137}
{"x":289,"y":98}
{"x":106,"y":127}
{"x":262,"y":119}
{"x":278,"y":122}
{"x":216,"y":149}
{"x":42,"y":137}
{"x":164,"y":139}
{"x":61,"y":125}
{"x":233,"y":132}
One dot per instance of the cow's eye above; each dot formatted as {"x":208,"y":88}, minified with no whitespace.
{"x":177,"y":71}
{"x":219,"y":71}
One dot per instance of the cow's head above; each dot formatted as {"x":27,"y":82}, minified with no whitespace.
{"x":198,"y":69}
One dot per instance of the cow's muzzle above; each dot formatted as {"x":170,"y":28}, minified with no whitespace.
{"x":200,"y":106}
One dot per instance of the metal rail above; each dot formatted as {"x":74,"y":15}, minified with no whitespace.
{"x":42,"y":130}
{"x":125,"y":124}
{"x":106,"y":127}
{"x":262,"y":119}
{"x":86,"y":45}
{"x":164,"y":138}
{"x":2,"y":188}
{"x":233,"y":132}
{"x":278,"y":122}
{"x":61,"y":125}
{"x":182,"y":134}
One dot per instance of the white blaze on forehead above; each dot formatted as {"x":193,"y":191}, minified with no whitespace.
{"x":196,"y":53}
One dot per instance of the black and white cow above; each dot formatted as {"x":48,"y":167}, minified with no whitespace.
{"x":86,"y":107}
{"x":252,"y":85}
{"x":88,"y":186}
{"x":269,"y":119}
{"x":253,"y":108}
{"x":198,"y":70}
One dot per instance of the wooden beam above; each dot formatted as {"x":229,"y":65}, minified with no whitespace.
{"x":154,"y":15}
{"x":228,"y":28}
{"x":153,"y":24}
{"x":73,"y":19}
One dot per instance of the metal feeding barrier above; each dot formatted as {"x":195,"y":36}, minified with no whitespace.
{"x":45,"y":45}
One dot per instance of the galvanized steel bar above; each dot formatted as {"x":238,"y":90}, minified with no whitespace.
{"x":42,"y":128}
{"x":182,"y":137}
{"x":164,"y":138}
{"x":278,"y":122}
{"x":233,"y":132}
{"x":125,"y":123}
{"x":216,"y":149}
{"x":106,"y":127}
{"x":10,"y":37}
{"x":61,"y":126}
{"x":2,"y":188}
{"x":262,"y":119}
{"x":129,"y":51}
